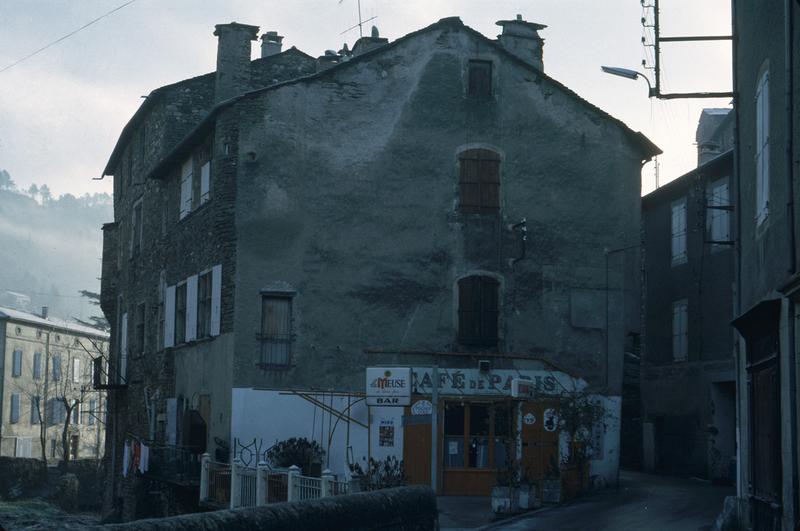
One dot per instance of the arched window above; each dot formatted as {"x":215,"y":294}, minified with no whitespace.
{"x":478,"y":310}
{"x":479,"y":181}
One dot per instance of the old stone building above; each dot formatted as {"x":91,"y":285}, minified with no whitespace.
{"x":687,"y":372}
{"x":766,"y":63}
{"x":43,"y":362}
{"x":436,"y":203}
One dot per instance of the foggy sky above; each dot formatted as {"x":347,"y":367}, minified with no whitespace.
{"x":61,"y":111}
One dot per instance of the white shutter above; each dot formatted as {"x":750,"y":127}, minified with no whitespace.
{"x":76,"y":370}
{"x":191,"y":308}
{"x":123,"y":348}
{"x":205,"y":181}
{"x":216,"y":298}
{"x":169,"y":317}
{"x":186,"y":188}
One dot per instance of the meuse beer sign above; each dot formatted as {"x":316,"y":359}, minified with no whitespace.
{"x":388,"y":386}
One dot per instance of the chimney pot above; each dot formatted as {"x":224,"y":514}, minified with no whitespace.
{"x":521,"y":38}
{"x":44,"y":312}
{"x":271,"y":44}
{"x":233,"y":59}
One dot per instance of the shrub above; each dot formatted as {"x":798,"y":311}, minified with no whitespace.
{"x":296,"y":451}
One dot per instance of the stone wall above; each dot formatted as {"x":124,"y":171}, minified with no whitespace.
{"x":404,"y":508}
{"x":20,"y":476}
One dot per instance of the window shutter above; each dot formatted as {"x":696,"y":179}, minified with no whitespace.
{"x":37,"y":365}
{"x":76,"y":370}
{"x":16,"y":370}
{"x":169,"y":317}
{"x":489,"y":310}
{"x":186,"y":188}
{"x":205,"y":181}
{"x":14,"y":408}
{"x":216,"y":299}
{"x":123,"y":348}
{"x":172,"y":420}
{"x":191,"y":308}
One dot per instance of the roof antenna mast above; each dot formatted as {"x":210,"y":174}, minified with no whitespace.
{"x":361,"y":22}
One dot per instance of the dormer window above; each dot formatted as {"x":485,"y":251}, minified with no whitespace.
{"x":479,"y":79}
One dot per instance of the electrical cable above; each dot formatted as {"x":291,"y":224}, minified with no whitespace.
{"x":68,"y":35}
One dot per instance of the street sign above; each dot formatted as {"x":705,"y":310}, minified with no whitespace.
{"x":388,"y":386}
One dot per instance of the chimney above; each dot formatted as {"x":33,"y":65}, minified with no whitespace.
{"x":44,"y":312}
{"x":365,"y":44}
{"x":233,"y":59}
{"x":271,"y":44}
{"x":522,"y":39}
{"x":710,"y":135}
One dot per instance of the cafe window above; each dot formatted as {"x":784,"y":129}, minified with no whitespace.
{"x":477,"y":435}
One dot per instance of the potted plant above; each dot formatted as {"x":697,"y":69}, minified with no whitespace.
{"x":551,"y":484}
{"x":505,"y":493}
{"x":528,"y":498}
{"x":579,"y":414}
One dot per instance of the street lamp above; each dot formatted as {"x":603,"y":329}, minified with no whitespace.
{"x":629,"y":74}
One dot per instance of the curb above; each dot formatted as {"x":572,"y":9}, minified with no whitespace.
{"x":517,"y":517}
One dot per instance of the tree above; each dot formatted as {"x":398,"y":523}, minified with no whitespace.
{"x":6,"y":183}
{"x":33,"y":191}
{"x":95,"y":321}
{"x":44,"y":191}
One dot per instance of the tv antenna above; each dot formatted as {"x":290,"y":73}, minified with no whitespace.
{"x":361,"y":22}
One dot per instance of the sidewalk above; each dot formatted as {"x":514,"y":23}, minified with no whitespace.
{"x":468,"y":512}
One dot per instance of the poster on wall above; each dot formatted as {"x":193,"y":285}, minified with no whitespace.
{"x":386,"y":433}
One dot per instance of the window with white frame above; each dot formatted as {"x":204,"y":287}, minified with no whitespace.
{"x":718,"y":222}
{"x":762,"y":148}
{"x":679,"y":231}
{"x":192,"y":308}
{"x":680,"y":330}
{"x":76,"y":370}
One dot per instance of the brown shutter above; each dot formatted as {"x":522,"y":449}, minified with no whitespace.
{"x":489,"y":310}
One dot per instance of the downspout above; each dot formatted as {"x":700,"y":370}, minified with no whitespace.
{"x":789,"y":154}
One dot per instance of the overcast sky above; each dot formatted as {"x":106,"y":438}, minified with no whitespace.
{"x":62,"y":110}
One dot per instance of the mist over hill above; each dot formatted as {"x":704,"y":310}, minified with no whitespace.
{"x":50,"y":248}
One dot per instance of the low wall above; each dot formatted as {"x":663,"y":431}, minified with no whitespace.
{"x":19,"y":476}
{"x":403,"y":508}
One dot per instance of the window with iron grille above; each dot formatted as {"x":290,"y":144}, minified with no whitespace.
{"x":204,"y":305}
{"x":479,"y":181}
{"x":480,"y":79}
{"x":478,"y":311}
{"x":180,"y":314}
{"x":276,"y":330}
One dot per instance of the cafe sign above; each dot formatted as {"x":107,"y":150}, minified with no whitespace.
{"x":388,"y":386}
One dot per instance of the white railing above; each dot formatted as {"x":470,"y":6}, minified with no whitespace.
{"x":235,"y":485}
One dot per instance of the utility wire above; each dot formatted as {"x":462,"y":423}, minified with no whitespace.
{"x":68,"y":35}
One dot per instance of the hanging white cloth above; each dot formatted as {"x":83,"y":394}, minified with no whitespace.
{"x":126,"y":455}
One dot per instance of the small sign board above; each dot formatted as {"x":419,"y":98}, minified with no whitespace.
{"x":522,"y":388}
{"x":388,"y":386}
{"x":422,"y":407}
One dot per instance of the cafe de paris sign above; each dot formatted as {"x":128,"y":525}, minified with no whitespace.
{"x":388,"y":386}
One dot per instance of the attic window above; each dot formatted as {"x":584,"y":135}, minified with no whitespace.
{"x":480,"y":79}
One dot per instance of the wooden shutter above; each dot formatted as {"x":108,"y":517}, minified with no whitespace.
{"x":489,"y":310}
{"x":191,"y":308}
{"x":478,"y":311}
{"x":16,"y":369}
{"x":169,"y":317}
{"x":205,"y":182}
{"x":186,"y":188}
{"x":479,"y":181}
{"x":14,"y":408}
{"x":216,"y":299}
{"x":37,"y":365}
{"x":480,"y":79}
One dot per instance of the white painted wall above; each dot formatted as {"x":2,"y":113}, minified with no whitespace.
{"x":274,"y":416}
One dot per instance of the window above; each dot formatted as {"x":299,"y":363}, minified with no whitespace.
{"x":76,"y":414}
{"x":276,"y":329}
{"x":162,"y":288}
{"x":140,"y":318}
{"x":187,"y":178}
{"x":56,"y":367}
{"x":180,"y":314}
{"x":477,"y":434}
{"x":478,"y":311}
{"x":36,"y":414}
{"x":679,"y":232}
{"x":479,"y":181}
{"x":205,"y":182}
{"x":14,"y":408}
{"x":37,"y":365}
{"x":76,"y":370}
{"x":52,"y":448}
{"x":204,"y":305}
{"x":16,"y":368}
{"x":762,"y":148}
{"x":136,"y":229}
{"x":92,"y":412}
{"x":480,"y":79}
{"x":717,"y":219}
{"x":680,"y":330}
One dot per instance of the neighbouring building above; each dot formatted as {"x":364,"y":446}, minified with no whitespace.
{"x":767,"y":92}
{"x":45,"y":364}
{"x":688,"y":384}
{"x":436,"y":203}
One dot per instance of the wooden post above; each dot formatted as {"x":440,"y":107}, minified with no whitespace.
{"x":294,"y":472}
{"x":262,"y":483}
{"x":236,"y":483}
{"x":327,"y":483}
{"x":205,"y":465}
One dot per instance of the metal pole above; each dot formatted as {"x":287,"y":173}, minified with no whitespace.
{"x":657,"y":48}
{"x":434,"y":424}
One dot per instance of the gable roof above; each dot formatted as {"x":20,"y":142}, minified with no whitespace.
{"x":51,"y":322}
{"x":156,"y":95}
{"x":675,"y":186}
{"x":181,"y":149}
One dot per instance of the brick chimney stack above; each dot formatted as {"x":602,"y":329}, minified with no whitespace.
{"x":522,"y":39}
{"x":271,"y":44}
{"x":233,"y":59}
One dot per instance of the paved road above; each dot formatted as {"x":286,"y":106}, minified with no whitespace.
{"x":642,"y":503}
